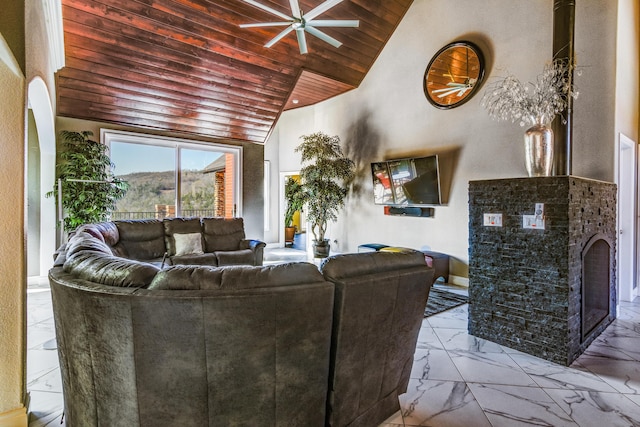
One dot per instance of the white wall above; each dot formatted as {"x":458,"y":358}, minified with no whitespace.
{"x":627,"y":66}
{"x":272,"y":203}
{"x":388,"y":116}
{"x":12,"y":245}
{"x":43,"y":57}
{"x":594,"y":116}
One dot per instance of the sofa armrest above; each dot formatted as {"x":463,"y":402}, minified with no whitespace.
{"x":257,"y":246}
{"x":254,"y":244}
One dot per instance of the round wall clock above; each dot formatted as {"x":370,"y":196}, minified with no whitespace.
{"x":454,"y":75}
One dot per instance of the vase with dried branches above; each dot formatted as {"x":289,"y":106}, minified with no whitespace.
{"x":534,"y":104}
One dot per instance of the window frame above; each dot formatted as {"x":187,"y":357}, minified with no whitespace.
{"x":107,"y":136}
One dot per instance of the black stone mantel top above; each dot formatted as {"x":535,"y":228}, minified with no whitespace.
{"x":525,"y":284}
{"x":546,"y":178}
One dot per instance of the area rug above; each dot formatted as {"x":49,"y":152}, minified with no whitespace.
{"x":441,"y":300}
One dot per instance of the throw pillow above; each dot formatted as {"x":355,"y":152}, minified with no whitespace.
{"x":190,"y":243}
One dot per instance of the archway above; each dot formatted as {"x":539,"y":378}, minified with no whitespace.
{"x":41,"y":228}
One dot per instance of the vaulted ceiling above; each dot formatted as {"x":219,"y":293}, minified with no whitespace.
{"x":187,"y":66}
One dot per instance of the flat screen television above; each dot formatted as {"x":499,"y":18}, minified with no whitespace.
{"x":407,"y":182}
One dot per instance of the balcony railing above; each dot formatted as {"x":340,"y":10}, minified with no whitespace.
{"x":162,"y":214}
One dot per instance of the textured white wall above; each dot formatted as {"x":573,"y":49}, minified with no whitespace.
{"x":389,"y":117}
{"x":12,"y":273}
{"x":627,"y":66}
{"x":594,"y":116}
{"x":41,"y":94}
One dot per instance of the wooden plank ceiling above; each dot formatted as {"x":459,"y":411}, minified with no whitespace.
{"x":187,"y":66}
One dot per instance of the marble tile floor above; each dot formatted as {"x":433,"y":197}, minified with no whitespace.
{"x":457,"y":379}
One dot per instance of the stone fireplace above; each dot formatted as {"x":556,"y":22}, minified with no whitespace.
{"x":545,"y":291}
{"x":595,"y":283}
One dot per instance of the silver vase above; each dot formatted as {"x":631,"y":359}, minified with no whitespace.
{"x":538,"y":149}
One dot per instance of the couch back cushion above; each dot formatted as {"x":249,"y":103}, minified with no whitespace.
{"x":97,"y":267}
{"x":181,"y":226}
{"x":85,"y":240}
{"x":235,"y":277}
{"x":347,"y":266}
{"x":140,"y":239}
{"x":223,"y":234}
{"x":379,"y":307}
{"x":105,"y":231}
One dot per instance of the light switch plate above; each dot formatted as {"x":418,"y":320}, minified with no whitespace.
{"x":533,"y":222}
{"x":492,"y":220}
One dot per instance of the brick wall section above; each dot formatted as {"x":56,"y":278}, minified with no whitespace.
{"x":229,"y":186}
{"x":218,"y":204}
{"x":525,"y":285}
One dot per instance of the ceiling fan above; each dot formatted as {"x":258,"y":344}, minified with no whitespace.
{"x":458,"y":88}
{"x":301,"y":22}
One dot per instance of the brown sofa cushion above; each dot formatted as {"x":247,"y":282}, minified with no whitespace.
{"x":84,"y":240}
{"x":361,"y":264}
{"x":239,"y":257}
{"x":195,"y":259}
{"x":110,"y":270}
{"x":223,"y":234}
{"x":140,"y":239}
{"x":105,"y":231}
{"x":235,"y":277}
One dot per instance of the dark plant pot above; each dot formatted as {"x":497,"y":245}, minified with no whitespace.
{"x":289,"y":234}
{"x":321,"y":249}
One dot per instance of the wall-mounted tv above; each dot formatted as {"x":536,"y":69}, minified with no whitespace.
{"x":407,"y":182}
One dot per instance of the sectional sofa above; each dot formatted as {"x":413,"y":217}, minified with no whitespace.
{"x":203,"y":345}
{"x":174,"y":241}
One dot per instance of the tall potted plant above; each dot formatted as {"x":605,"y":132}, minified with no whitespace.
{"x":89,"y":191}
{"x":294,"y":197}
{"x":325,"y":175}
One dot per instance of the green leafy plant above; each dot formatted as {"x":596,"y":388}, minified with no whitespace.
{"x":294,"y":195}
{"x":326,"y":175}
{"x":89,"y":191}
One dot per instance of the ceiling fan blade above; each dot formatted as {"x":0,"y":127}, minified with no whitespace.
{"x":277,"y":38}
{"x":302,"y":41}
{"x":447,"y":89}
{"x":265,"y":24}
{"x":334,"y":23}
{"x":323,"y":36}
{"x":449,"y":92}
{"x":321,"y":8}
{"x":451,"y":88}
{"x":458,"y":91}
{"x":267,"y":9}
{"x":295,"y":9}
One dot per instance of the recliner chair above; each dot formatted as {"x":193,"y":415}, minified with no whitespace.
{"x":378,"y":311}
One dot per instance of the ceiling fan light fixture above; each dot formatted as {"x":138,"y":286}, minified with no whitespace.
{"x":299,"y":22}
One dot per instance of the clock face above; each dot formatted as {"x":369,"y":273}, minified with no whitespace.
{"x":454,"y":75}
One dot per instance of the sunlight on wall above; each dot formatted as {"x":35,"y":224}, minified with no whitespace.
{"x":40,"y":103}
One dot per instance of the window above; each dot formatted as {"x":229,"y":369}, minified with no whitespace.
{"x":171,"y":177}
{"x":267,"y":197}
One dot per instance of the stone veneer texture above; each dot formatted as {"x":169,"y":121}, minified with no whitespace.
{"x":525,"y":284}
